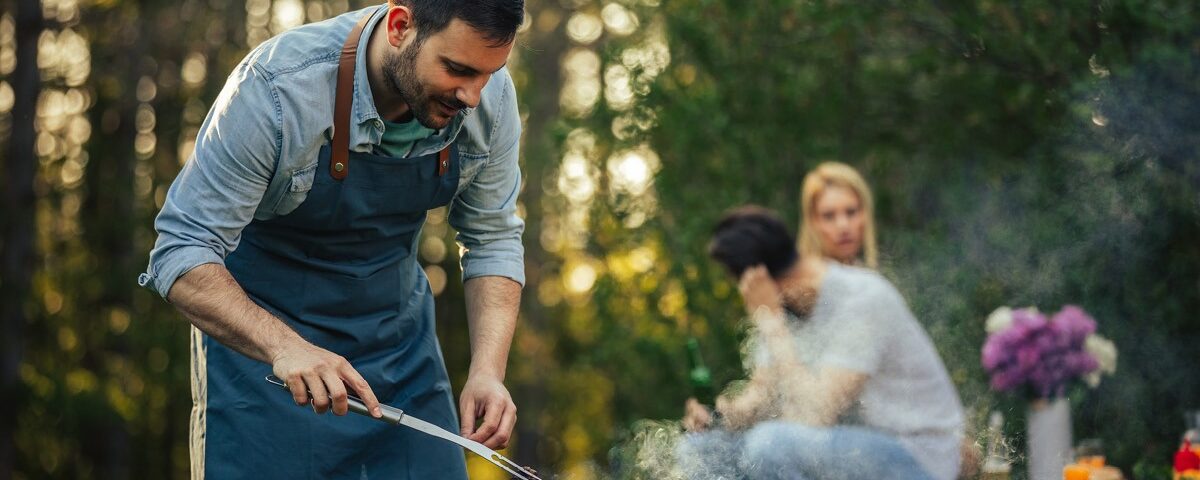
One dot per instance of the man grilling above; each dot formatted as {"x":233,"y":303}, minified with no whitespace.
{"x":289,"y":241}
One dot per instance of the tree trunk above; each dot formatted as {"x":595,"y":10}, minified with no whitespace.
{"x":16,"y":249}
{"x":540,"y":153}
{"x":107,"y":215}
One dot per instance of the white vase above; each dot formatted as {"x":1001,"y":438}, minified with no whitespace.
{"x":1048,"y":433}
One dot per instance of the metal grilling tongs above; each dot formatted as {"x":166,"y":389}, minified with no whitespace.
{"x":396,"y":416}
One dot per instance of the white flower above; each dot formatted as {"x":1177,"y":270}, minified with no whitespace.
{"x":1105,"y":353}
{"x":999,"y":320}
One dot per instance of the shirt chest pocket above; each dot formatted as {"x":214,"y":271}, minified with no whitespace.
{"x":468,"y":168}
{"x":295,"y":190}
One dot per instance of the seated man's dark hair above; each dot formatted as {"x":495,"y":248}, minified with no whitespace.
{"x":497,"y":20}
{"x":752,"y":235}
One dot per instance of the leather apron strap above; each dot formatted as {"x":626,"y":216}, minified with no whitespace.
{"x":443,"y":161}
{"x":340,"y":151}
{"x":339,"y":164}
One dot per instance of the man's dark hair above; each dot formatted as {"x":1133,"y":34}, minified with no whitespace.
{"x":752,"y":235}
{"x":497,"y":20}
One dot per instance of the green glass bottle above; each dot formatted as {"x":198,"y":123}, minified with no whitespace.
{"x":698,"y":375}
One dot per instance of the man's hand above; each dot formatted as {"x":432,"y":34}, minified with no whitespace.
{"x":308,"y":368}
{"x":485,"y":397}
{"x":696,"y":417}
{"x":758,"y":289}
{"x":748,"y":406}
{"x":213,"y":301}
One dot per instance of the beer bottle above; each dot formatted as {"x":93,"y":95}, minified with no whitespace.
{"x":698,"y":375}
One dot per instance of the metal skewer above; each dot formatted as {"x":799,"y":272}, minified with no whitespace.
{"x":396,"y":416}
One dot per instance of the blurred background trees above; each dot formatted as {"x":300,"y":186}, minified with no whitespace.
{"x":1022,"y":153}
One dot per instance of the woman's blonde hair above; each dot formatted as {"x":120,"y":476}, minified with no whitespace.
{"x":835,"y":174}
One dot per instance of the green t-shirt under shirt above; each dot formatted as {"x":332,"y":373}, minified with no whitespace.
{"x":398,"y":138}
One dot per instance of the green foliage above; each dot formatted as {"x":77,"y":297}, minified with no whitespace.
{"x":1021,"y":153}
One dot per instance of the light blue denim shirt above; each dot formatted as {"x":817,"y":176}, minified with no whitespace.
{"x":256,"y":156}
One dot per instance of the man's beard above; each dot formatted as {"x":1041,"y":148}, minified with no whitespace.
{"x":400,"y":75}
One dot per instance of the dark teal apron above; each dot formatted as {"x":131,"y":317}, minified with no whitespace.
{"x":342,"y":271}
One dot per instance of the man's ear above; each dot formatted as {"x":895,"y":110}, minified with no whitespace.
{"x":399,"y":24}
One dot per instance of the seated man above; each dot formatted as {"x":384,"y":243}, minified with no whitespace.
{"x":833,"y":343}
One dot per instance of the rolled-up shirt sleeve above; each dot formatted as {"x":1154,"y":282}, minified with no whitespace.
{"x":485,"y":212}
{"x":218,"y":190}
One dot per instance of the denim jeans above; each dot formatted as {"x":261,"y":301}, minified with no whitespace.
{"x":785,"y":450}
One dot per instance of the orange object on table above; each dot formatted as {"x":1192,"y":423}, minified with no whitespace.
{"x":1076,"y":471}
{"x":1093,"y":461}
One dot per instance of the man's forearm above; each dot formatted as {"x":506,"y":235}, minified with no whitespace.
{"x":789,"y":376}
{"x":744,"y":409}
{"x":813,"y":397}
{"x":801,"y":396}
{"x":492,"y":305}
{"x":214,"y":302}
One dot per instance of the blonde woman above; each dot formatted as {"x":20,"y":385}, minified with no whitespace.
{"x":837,"y":216}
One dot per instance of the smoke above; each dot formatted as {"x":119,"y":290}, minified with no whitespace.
{"x":651,"y":452}
{"x":1104,"y":215}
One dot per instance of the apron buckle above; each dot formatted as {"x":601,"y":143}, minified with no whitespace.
{"x":443,"y":161}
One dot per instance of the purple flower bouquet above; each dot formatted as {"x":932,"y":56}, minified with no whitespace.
{"x":1029,"y":353}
